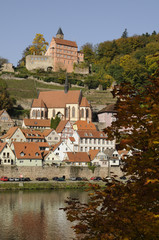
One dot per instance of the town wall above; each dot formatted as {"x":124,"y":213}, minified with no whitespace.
{"x":50,"y":172}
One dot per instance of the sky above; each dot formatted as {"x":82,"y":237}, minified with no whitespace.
{"x":83,"y":21}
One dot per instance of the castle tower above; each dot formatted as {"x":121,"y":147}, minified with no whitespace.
{"x":60,"y":34}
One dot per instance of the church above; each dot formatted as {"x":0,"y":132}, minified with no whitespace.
{"x":68,"y":105}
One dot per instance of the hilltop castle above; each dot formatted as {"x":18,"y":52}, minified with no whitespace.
{"x":61,"y":54}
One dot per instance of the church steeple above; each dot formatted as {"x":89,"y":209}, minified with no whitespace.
{"x":60,"y":34}
{"x":66,"y":87}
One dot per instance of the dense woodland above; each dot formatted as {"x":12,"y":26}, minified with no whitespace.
{"x":127,"y":59}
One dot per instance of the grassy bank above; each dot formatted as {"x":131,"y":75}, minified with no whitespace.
{"x":46,"y":185}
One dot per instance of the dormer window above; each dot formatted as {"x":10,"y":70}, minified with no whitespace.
{"x":86,"y":134}
{"x":101,"y":135}
{"x":36,"y":154}
{"x":90,"y":134}
{"x":22,"y":154}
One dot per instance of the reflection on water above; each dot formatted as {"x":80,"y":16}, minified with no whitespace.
{"x":36,"y":215}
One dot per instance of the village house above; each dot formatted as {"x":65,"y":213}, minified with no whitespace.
{"x":64,"y":130}
{"x":91,"y":139}
{"x":51,"y":158}
{"x":107,"y":115}
{"x":60,"y":149}
{"x":36,"y":123}
{"x":7,"y":156}
{"x":14,"y":134}
{"x":32,"y":135}
{"x":76,"y":158}
{"x":51,"y":136}
{"x":5,"y":121}
{"x":98,"y":158}
{"x":27,"y":154}
{"x":113,"y":157}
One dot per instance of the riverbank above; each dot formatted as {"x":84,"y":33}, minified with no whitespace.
{"x":47,"y":185}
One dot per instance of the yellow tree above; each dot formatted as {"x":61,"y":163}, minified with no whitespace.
{"x":39,"y":45}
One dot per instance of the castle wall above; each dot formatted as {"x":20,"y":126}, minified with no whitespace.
{"x":39,"y":61}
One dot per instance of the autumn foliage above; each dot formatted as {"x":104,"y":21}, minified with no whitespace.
{"x":127,"y":211}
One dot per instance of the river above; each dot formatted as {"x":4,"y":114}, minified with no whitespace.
{"x":35,"y":215}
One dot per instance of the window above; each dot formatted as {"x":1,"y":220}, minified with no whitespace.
{"x":87,"y":113}
{"x":7,"y":155}
{"x":81,"y":140}
{"x":53,"y":113}
{"x":82,"y":113}
{"x":73,"y":112}
{"x":85,"y":140}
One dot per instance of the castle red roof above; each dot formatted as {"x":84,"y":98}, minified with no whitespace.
{"x":65,"y":42}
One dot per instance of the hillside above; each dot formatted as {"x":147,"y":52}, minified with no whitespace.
{"x":24,"y":90}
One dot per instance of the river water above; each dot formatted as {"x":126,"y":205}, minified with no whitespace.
{"x":30,"y":215}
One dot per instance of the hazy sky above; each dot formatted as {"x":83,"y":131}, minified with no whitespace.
{"x":82,"y":21}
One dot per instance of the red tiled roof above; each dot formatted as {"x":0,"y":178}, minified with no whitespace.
{"x":37,"y":122}
{"x":46,"y":132}
{"x":93,"y":153}
{"x":84,"y":125}
{"x":2,"y":145}
{"x":1,"y":112}
{"x":57,"y":99}
{"x":84,"y":102}
{"x":30,"y":133}
{"x":38,"y":103}
{"x":10,"y":133}
{"x":110,"y":108}
{"x":55,"y":146}
{"x":77,"y":157}
{"x":29,"y":150}
{"x":61,"y":126}
{"x":91,"y":134}
{"x":65,"y":42}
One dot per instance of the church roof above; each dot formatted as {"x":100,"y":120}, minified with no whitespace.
{"x":57,"y":99}
{"x":60,"y":31}
{"x":84,"y":102}
{"x":38,"y":103}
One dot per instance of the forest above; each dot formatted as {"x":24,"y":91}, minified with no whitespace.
{"x":127,"y":59}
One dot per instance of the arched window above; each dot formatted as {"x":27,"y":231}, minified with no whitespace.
{"x":82,"y":113}
{"x":33,"y":113}
{"x":87,"y":113}
{"x":73,"y":112}
{"x":53,"y":113}
{"x":67,"y":112}
{"x":38,"y":113}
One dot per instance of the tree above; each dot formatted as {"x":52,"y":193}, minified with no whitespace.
{"x":6,"y":102}
{"x":127,"y":211}
{"x":55,"y":122}
{"x":25,"y":53}
{"x":39,"y":45}
{"x":125,"y":33}
{"x":88,"y":51}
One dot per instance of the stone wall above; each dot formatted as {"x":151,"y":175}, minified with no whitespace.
{"x":50,"y":172}
{"x":39,"y":62}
